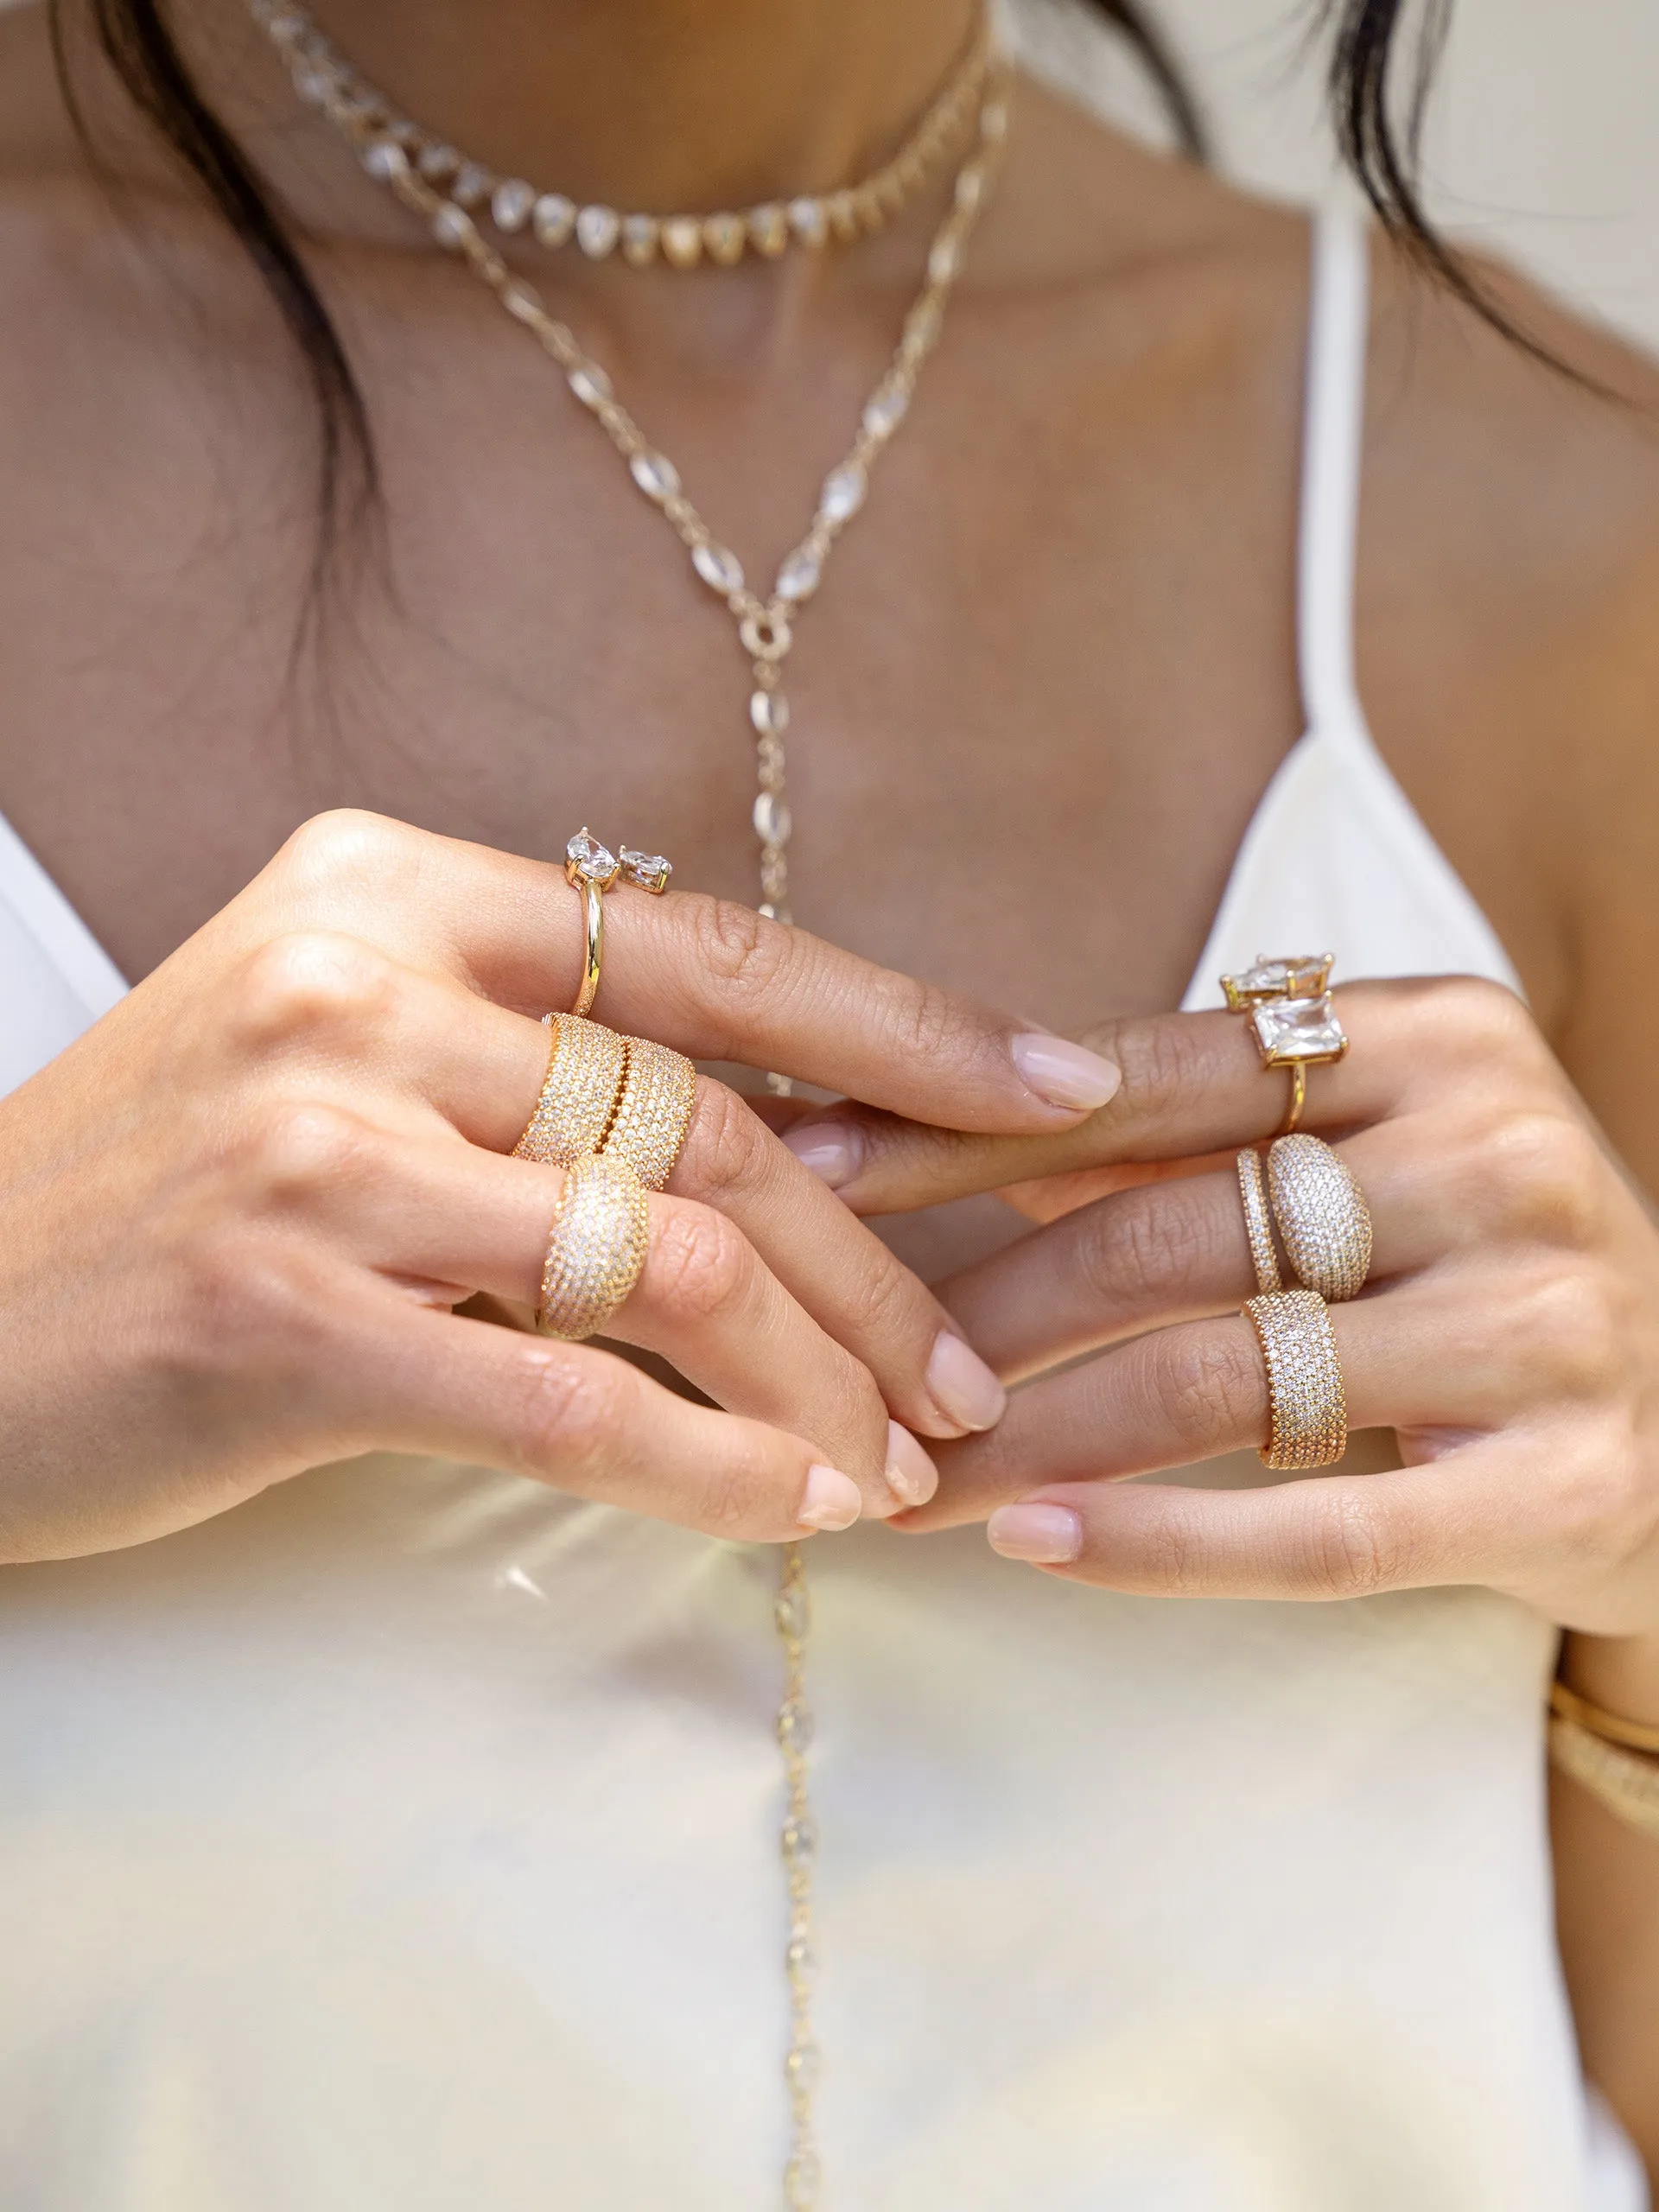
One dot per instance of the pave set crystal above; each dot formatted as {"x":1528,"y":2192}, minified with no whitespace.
{"x":595,"y":1248}
{"x":1309,"y":1421}
{"x":1322,"y":1217}
{"x":627,"y":1098}
{"x":323,"y":79}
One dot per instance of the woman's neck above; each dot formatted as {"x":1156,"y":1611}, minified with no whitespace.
{"x":661,"y":104}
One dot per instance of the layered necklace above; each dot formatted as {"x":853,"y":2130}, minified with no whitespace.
{"x":449,"y":194}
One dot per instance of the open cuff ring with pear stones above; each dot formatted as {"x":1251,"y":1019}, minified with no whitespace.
{"x":1293,"y":1017}
{"x":593,"y":868}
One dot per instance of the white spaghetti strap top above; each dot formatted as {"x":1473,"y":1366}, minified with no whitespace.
{"x":1336,"y":858}
{"x":408,"y":1835}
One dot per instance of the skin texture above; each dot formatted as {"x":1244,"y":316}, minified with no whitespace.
{"x":1069,"y":603}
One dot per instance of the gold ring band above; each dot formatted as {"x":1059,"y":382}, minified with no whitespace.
{"x":654,"y":1111}
{"x":1293,"y":1018}
{"x":592,"y":867}
{"x":586,"y":1065}
{"x":1308,"y":1408}
{"x":596,"y":1246}
{"x":1298,"y":1098}
{"x":1323,"y":1219}
{"x":1258,"y":1222}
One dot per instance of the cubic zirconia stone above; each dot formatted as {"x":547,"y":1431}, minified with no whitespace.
{"x":791,"y":1613}
{"x":682,"y":241}
{"x":970,"y":188}
{"x":799,"y":1839}
{"x":722,"y":239}
{"x":510,"y":203}
{"x":553,"y":218}
{"x":649,"y":870}
{"x":798,"y":579}
{"x":808,"y":221}
{"x":794,"y":1724}
{"x":771,"y":819}
{"x":597,"y":230}
{"x":843,"y":493}
{"x":886,"y":411}
{"x":590,"y":383}
{"x":718,"y":567}
{"x":451,"y":224}
{"x":640,"y":237}
{"x":436,"y":162}
{"x":655,"y":474}
{"x":1297,"y":1029}
{"x":384,"y":158}
{"x":592,"y":861}
{"x":945,"y":260}
{"x":472,"y":185}
{"x":1295,"y":976}
{"x":769,"y":229}
{"x":769,"y":712}
{"x":315,"y":86}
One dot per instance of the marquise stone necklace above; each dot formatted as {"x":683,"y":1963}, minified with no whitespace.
{"x":973,"y":103}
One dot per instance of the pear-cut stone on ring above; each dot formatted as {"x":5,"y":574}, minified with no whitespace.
{"x":1292,"y":975}
{"x":1297,"y":1029}
{"x":585,"y":861}
{"x":649,"y":870}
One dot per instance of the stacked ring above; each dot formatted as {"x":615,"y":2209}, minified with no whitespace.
{"x":1322,"y":1217}
{"x":593,"y":868}
{"x":586,"y":1065}
{"x":1258,"y":1223}
{"x":654,"y":1111}
{"x":596,"y":1247}
{"x":1308,"y":1409}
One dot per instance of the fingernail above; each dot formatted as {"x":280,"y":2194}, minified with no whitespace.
{"x":964,"y":1389}
{"x":1047,"y":1535}
{"x":833,"y":1150}
{"x":1063,"y":1073}
{"x":830,"y":1501}
{"x":911,"y":1476}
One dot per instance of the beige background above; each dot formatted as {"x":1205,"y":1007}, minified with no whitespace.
{"x":1544,"y":137}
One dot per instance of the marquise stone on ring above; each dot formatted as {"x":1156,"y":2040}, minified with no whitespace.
{"x":1292,"y":1015}
{"x":593,"y":868}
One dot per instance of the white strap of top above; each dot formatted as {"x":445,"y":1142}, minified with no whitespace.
{"x":1333,"y":432}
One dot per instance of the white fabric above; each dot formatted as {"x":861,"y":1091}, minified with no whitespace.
{"x":405,"y":1838}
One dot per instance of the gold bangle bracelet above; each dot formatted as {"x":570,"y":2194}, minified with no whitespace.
{"x":1632,"y":1735}
{"x":1624,"y":1782}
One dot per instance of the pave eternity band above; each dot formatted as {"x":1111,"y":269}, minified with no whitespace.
{"x":628,"y":1098}
{"x":1307,"y":1407}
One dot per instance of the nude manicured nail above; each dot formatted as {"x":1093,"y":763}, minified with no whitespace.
{"x":831,"y":1500}
{"x":1063,"y":1073}
{"x":911,"y":1476}
{"x":834,"y":1151}
{"x":1046,"y":1535}
{"x":962,"y":1388}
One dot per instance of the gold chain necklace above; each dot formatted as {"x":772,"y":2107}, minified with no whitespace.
{"x":764,"y":629}
{"x":324,"y":79}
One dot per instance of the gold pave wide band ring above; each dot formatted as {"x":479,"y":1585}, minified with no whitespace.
{"x":1320,"y":1210}
{"x":1293,"y":1018}
{"x":1308,"y":1411}
{"x":596,"y":1248}
{"x":628,"y":1098}
{"x":593,"y":868}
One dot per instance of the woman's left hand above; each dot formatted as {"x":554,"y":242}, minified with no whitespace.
{"x":1508,"y":1332}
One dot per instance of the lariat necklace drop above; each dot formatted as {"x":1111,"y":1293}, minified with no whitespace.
{"x":414,"y":164}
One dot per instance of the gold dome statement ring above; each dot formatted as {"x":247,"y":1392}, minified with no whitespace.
{"x":1308,"y":1416}
{"x":1293,"y":1018}
{"x":1322,"y":1217}
{"x":593,"y":868}
{"x":596,"y":1247}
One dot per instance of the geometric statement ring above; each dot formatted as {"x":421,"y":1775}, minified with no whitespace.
{"x":593,"y":868}
{"x":1321,"y":1215}
{"x":1292,"y":1017}
{"x":1308,"y":1416}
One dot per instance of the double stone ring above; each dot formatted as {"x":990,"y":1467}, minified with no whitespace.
{"x":593,"y":869}
{"x":1308,"y":1197}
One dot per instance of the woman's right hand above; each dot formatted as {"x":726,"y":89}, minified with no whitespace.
{"x":235,"y":1216}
